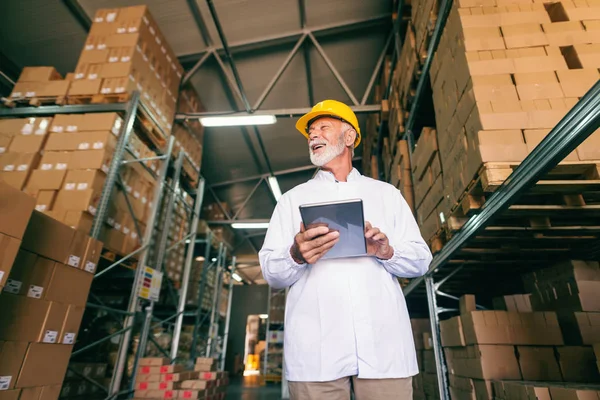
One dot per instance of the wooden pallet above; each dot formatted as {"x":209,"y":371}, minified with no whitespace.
{"x":34,"y":101}
{"x":99,"y":98}
{"x":112,"y":256}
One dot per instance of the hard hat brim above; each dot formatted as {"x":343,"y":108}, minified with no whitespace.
{"x":303,"y":121}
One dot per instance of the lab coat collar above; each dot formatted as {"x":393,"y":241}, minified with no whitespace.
{"x":328,"y":176}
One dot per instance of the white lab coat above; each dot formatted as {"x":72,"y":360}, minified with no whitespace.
{"x":346,"y":317}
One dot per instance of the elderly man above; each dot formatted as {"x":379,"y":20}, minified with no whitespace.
{"x":346,"y":325}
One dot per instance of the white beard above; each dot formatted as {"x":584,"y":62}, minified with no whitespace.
{"x":330,"y":152}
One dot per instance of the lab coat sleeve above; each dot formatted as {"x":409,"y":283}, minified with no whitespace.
{"x":278,"y":267}
{"x":411,"y":254}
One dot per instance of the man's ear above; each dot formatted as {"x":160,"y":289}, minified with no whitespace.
{"x":350,"y":137}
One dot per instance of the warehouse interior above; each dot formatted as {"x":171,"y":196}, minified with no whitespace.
{"x":131,"y":221}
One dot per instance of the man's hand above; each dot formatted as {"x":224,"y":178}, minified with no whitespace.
{"x":312,"y":244}
{"x":378,"y":244}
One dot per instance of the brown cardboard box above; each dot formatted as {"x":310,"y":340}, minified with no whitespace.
{"x":39,"y":74}
{"x":48,"y":237}
{"x":15,"y":210}
{"x":85,"y":87}
{"x":154,"y":361}
{"x":30,"y":275}
{"x":579,"y":327}
{"x":578,"y":364}
{"x":69,"y":286}
{"x":45,"y":180}
{"x":467,"y":304}
{"x":84,"y":180}
{"x":576,"y":82}
{"x":538,"y":363}
{"x":70,"y":328}
{"x":31,"y":320}
{"x":92,"y":159}
{"x":10,"y":394}
{"x":483,"y":362}
{"x":9,"y":247}
{"x":5,"y":141}
{"x":80,"y":141}
{"x":92,"y":255}
{"x":11,"y":359}
{"x":66,"y":123}
{"x":452,"y":333}
{"x":78,"y":220}
{"x":78,"y":200}
{"x":111,"y":122}
{"x":55,"y":160}
{"x":77,"y":250}
{"x":44,"y":365}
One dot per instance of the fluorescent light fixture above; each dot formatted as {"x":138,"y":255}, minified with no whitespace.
{"x":236,"y":277}
{"x":188,"y":241}
{"x":263,"y":316}
{"x":250,"y":225}
{"x":274,"y":185}
{"x":214,"y":259}
{"x":199,"y":258}
{"x":238,"y":120}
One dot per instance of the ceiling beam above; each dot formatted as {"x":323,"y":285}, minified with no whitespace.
{"x":293,"y":36}
{"x":282,"y":112}
{"x":78,"y":13}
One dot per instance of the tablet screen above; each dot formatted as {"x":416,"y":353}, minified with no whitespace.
{"x":347,"y":218}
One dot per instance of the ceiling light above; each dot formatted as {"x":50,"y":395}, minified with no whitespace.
{"x":188,"y":241}
{"x":236,"y":277}
{"x":238,"y":120}
{"x":263,"y":316}
{"x":214,"y":259}
{"x":199,"y":258}
{"x":250,"y":225}
{"x":274,"y":185}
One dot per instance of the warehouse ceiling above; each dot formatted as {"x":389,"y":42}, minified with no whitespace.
{"x":261,"y":34}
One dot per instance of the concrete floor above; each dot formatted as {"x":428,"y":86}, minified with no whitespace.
{"x":249,"y":388}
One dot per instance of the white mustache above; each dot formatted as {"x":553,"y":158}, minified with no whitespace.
{"x":316,"y":142}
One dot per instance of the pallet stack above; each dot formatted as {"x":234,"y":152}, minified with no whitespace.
{"x":156,"y":379}
{"x":46,"y":278}
{"x":518,"y":342}
{"x":425,"y":385}
{"x":519,"y":66}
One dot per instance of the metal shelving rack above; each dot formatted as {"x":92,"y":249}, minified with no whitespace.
{"x":580,"y":122}
{"x":130,"y":111}
{"x":273,"y":326}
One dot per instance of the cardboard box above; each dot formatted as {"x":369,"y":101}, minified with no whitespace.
{"x":15,"y":210}
{"x":30,"y":320}
{"x":55,"y":160}
{"x":30,"y":276}
{"x":154,"y":361}
{"x":92,"y":255}
{"x":69,"y":286}
{"x":45,"y":180}
{"x":9,"y":247}
{"x":78,"y":201}
{"x":70,"y":328}
{"x":452,"y":333}
{"x":85,"y":87}
{"x":538,"y":363}
{"x":111,"y":122}
{"x":483,"y":362}
{"x":578,"y":364}
{"x":39,"y":74}
{"x":78,"y":220}
{"x":44,"y":365}
{"x":10,"y":394}
{"x":27,"y":144}
{"x":92,"y":159}
{"x":66,"y":123}
{"x":11,"y":359}
{"x":48,"y":237}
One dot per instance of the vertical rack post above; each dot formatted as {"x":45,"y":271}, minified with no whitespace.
{"x":187,"y":269}
{"x":132,"y":308}
{"x":266,"y":357}
{"x":214,"y":315}
{"x":228,"y":315}
{"x":115,"y":165}
{"x":434,"y":318}
{"x":198,"y":320}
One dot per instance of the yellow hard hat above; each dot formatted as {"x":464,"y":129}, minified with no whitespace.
{"x":332,"y":109}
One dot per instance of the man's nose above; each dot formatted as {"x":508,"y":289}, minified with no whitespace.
{"x":314,"y":134}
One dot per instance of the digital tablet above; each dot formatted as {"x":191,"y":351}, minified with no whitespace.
{"x":346,"y":217}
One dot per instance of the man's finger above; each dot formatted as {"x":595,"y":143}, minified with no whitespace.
{"x":372,"y":232}
{"x":302,"y":228}
{"x":314,"y":232}
{"x":318,"y":252}
{"x":379,"y":237}
{"x":368,"y":226}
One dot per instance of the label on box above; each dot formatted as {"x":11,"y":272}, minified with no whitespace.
{"x":158,"y":40}
{"x":80,"y":75}
{"x":121,"y":30}
{"x":136,"y":194}
{"x":92,"y":210}
{"x":168,"y":58}
{"x":50,"y":337}
{"x":110,"y":221}
{"x":110,"y":17}
{"x":9,"y":167}
{"x":113,"y":59}
{"x":126,"y":230}
{"x":29,"y":94}
{"x":125,"y":59}
{"x":144,"y":200}
{"x":120,"y":89}
{"x":163,"y":49}
{"x":117,"y":226}
{"x":133,"y":235}
{"x":98,"y":145}
{"x":82,"y":186}
{"x":22,"y":167}
{"x":46,"y":167}
{"x":152,"y":31}
{"x":69,"y":338}
{"x":61,"y":166}
{"x":151,"y":67}
{"x":13,"y":286}
{"x":83,"y":146}
{"x":90,"y":267}
{"x":146,"y":95}
{"x":105,"y":90}
{"x":27,"y":129}
{"x":16,"y":94}
{"x":2,"y":150}
{"x":71,"y":128}
{"x":132,"y":29}
{"x":41,"y":207}
{"x":5,"y":382}
{"x":145,"y":57}
{"x":74,"y":261}
{"x":70,"y":186}
{"x":102,"y":46}
{"x":1,"y":275}
{"x":93,"y":76}
{"x":173,"y":67}
{"x":35,"y":292}
{"x":104,"y":168}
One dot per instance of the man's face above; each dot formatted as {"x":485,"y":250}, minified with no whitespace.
{"x":326,"y":141}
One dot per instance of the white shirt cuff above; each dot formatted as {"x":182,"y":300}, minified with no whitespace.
{"x":290,"y":260}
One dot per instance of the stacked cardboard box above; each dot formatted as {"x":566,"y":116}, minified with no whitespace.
{"x":40,"y":83}
{"x":519,"y":66}
{"x":15,"y":211}
{"x":42,"y":305}
{"x":400,"y":176}
{"x":125,"y":51}
{"x":425,"y":385}
{"x":77,"y":386}
{"x":551,"y":391}
{"x":483,"y":346}
{"x":190,"y":135}
{"x":156,"y":379}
